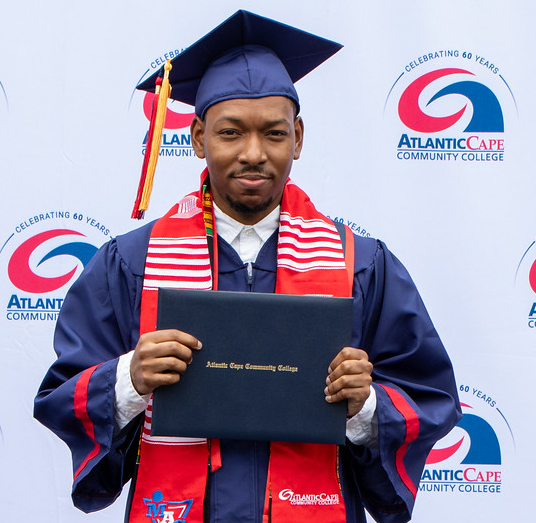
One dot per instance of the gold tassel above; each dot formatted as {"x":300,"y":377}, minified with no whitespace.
{"x":165,"y":91}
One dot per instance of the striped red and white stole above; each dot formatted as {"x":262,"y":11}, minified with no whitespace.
{"x":172,"y":472}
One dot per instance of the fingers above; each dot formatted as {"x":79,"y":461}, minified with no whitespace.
{"x":348,"y":354}
{"x":160,"y":358}
{"x":350,"y":377}
{"x":158,"y":347}
{"x":170,"y":335}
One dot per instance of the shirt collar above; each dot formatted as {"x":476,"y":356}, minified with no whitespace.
{"x":228,"y":228}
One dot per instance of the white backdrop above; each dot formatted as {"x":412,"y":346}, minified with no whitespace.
{"x":460,"y":218}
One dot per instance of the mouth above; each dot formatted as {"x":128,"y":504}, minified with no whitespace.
{"x":251,"y":180}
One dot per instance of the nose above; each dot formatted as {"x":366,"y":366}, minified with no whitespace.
{"x":253,"y":152}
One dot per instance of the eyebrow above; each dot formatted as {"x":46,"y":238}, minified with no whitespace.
{"x":269,"y":123}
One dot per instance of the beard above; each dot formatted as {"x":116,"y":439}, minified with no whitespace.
{"x":249,"y":210}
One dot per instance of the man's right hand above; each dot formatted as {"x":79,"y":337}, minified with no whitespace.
{"x":161,"y":358}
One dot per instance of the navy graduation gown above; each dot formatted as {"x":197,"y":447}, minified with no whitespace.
{"x":416,"y":393}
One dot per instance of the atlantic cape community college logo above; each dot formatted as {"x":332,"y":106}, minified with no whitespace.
{"x":308,"y":499}
{"x":176,"y":140}
{"x":470,"y":459}
{"x":450,"y":105}
{"x":42,"y":257}
{"x":525,"y":281}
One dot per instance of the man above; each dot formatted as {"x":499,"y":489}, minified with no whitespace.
{"x":395,"y":375}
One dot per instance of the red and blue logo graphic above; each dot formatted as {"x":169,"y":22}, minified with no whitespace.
{"x":484,"y":447}
{"x":532,"y":276}
{"x":23,"y":270}
{"x":486,"y":116}
{"x":526,"y":273}
{"x":161,"y":511}
{"x":174,"y":120}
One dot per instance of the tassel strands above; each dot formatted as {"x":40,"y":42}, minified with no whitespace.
{"x":154,"y":137}
{"x":137,"y":213}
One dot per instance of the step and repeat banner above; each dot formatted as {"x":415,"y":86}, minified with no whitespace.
{"x":419,"y":132}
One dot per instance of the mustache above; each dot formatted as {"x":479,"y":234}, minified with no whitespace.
{"x":251,"y":169}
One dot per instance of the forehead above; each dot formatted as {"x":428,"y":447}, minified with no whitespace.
{"x":266,"y":108}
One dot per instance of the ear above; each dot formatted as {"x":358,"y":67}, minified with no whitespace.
{"x":298,"y":136}
{"x":197,"y":132}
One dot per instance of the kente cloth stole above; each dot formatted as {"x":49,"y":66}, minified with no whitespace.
{"x":303,"y":482}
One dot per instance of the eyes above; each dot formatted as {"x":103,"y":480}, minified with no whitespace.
{"x":228,"y":132}
{"x":277,"y":132}
{"x":231,"y":132}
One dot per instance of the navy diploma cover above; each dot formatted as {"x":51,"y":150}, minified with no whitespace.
{"x":262,"y":369}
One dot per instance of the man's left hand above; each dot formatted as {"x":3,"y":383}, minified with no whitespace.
{"x":349,"y":378}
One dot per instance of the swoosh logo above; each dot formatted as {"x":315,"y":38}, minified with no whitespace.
{"x":487,"y":113}
{"x":484,"y":445}
{"x":532,"y":276}
{"x":22,"y":276}
{"x":173,"y":120}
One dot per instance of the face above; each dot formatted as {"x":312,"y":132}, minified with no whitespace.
{"x":249,"y":145}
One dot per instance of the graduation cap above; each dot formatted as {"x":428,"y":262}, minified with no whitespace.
{"x":246,"y":56}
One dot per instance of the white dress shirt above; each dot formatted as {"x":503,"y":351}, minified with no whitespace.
{"x":247,"y":241}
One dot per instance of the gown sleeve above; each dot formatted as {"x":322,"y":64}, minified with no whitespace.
{"x":417,"y":400}
{"x":99,"y":321}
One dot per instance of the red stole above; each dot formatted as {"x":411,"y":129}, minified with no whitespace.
{"x":302,"y":480}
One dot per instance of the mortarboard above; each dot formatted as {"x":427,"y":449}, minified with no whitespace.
{"x":246,"y":56}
